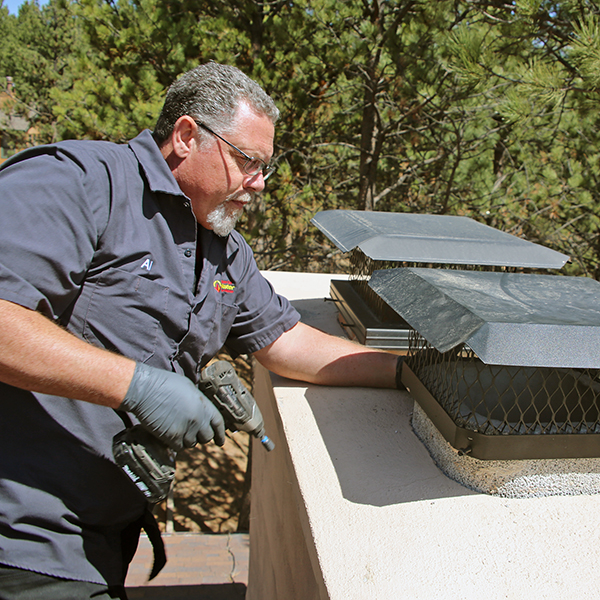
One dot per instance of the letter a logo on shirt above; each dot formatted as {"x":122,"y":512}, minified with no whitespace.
{"x":147,"y":264}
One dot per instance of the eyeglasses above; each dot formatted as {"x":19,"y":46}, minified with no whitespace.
{"x":252,"y":166}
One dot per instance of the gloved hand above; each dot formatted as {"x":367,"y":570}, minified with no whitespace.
{"x":173,"y":408}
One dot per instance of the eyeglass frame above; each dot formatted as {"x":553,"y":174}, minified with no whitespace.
{"x":266,"y":169}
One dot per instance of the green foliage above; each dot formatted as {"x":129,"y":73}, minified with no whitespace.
{"x":488,"y":109}
{"x":34,"y":50}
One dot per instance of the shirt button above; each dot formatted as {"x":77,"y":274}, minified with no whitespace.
{"x":188,"y":252}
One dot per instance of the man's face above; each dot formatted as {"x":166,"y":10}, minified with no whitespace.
{"x":213,"y":175}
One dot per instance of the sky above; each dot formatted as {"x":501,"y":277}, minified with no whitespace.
{"x":13,"y":5}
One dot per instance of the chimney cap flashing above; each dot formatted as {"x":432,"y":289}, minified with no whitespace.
{"x":505,"y":318}
{"x":437,"y":239}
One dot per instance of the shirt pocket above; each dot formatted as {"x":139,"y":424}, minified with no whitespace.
{"x":126,"y":313}
{"x":221,"y":326}
{"x":209,"y":328}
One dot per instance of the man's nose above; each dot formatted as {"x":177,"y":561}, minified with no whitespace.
{"x":255,"y":182}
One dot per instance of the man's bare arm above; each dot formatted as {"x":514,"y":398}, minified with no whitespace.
{"x":310,"y":355}
{"x":38,"y":355}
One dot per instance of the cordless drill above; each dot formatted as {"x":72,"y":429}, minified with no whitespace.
{"x":150,"y":464}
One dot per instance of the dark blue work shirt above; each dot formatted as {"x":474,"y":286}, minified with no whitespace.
{"x":99,"y":238}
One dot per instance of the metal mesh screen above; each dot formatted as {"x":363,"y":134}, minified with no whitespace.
{"x":507,"y":400}
{"x":361,"y":269}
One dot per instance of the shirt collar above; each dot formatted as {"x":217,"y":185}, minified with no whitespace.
{"x":158,"y":174}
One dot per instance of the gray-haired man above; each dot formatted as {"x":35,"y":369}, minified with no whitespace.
{"x":120,"y":277}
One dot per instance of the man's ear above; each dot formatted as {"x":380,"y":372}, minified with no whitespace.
{"x":184,"y":136}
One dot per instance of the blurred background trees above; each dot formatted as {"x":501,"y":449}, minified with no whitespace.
{"x":487,"y":109}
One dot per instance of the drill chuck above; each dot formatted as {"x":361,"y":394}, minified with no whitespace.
{"x":266,"y":441}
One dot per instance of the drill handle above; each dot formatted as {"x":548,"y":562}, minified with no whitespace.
{"x":222,"y":386}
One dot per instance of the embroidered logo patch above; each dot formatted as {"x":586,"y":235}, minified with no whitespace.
{"x":224,"y":286}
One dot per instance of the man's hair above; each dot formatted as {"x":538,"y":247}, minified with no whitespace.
{"x":212,"y":94}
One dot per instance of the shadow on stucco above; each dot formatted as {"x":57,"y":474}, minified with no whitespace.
{"x":377,"y":457}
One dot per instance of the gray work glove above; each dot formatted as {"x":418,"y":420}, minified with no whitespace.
{"x":172,"y":408}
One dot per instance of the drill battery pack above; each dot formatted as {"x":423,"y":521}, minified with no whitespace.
{"x":146,"y":460}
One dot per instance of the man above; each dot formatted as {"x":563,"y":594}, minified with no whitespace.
{"x":120,"y":277}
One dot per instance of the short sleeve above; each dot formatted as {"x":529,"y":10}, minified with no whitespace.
{"x":263,"y":314}
{"x":50,"y":207}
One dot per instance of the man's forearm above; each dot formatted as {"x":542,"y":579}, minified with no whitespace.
{"x":37,"y":355}
{"x":310,"y":355}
